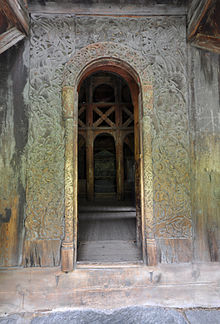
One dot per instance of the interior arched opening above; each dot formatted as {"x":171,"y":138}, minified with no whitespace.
{"x":108,"y":197}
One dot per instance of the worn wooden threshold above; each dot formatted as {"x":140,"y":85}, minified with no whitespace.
{"x":167,"y":285}
{"x":99,"y":9}
{"x":108,"y":265}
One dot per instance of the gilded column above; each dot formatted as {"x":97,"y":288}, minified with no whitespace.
{"x":69,"y":244}
{"x":148,"y":174}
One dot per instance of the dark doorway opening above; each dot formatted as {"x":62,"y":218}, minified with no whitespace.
{"x":107,"y":190}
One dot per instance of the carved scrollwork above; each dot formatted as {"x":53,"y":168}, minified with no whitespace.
{"x":156,"y":49}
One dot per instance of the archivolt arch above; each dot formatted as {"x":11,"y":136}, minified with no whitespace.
{"x":109,"y":50}
{"x":133,"y":68}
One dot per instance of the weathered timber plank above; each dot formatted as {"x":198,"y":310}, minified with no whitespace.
{"x":113,"y":10}
{"x":21,"y":13}
{"x":10,"y":38}
{"x":204,"y":26}
{"x":167,"y":285}
{"x":107,"y":229}
{"x":196,"y":13}
{"x":174,"y":250}
{"x":45,"y":253}
{"x":211,"y":43}
{"x":9,"y":238}
{"x":16,"y":13}
{"x":108,"y":251}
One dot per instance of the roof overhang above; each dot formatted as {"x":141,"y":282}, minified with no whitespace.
{"x":204,"y":24}
{"x":14,"y":22}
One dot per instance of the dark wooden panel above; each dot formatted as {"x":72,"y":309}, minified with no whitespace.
{"x":204,"y":24}
{"x":16,"y":13}
{"x":174,"y":250}
{"x":41,"y":253}
{"x":3,"y":22}
{"x":196,"y":13}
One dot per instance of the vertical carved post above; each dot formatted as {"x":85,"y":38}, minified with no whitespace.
{"x":69,"y":244}
{"x":119,"y":166}
{"x":148,"y":174}
{"x":134,"y":94}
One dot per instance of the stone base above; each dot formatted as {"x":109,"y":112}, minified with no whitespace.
{"x":128,"y":315}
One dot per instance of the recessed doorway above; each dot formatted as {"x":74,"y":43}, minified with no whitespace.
{"x":108,"y":202}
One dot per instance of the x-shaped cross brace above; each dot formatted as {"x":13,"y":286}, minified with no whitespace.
{"x":104,"y":116}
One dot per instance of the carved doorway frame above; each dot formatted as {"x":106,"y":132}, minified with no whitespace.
{"x":130,"y":65}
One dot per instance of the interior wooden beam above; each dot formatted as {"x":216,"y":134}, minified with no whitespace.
{"x":207,"y":42}
{"x":196,"y":13}
{"x":10,"y":38}
{"x":204,"y":25}
{"x":16,"y":13}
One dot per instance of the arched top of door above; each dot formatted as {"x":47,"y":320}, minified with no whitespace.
{"x":107,"y":56}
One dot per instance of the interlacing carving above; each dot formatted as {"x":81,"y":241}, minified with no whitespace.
{"x":155,"y":48}
{"x":52,"y":41}
{"x":162,"y":43}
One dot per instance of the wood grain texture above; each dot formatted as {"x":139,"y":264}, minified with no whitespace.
{"x":196,"y":12}
{"x":10,"y":38}
{"x":152,"y":42}
{"x":113,"y":9}
{"x":204,"y":25}
{"x":41,"y":289}
{"x":16,"y":12}
{"x":205,"y":154}
{"x":41,"y":253}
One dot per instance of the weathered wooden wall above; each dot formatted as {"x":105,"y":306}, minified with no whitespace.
{"x":205,"y":153}
{"x":161,"y":40}
{"x":13,"y":138}
{"x":32,"y":166}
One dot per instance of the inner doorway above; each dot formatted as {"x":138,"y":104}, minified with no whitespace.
{"x":108,"y":197}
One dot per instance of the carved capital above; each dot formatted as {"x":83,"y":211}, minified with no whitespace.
{"x":68,"y":101}
{"x":67,"y":256}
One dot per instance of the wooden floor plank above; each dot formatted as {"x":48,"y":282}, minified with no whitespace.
{"x":115,"y":251}
{"x":107,"y":232}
